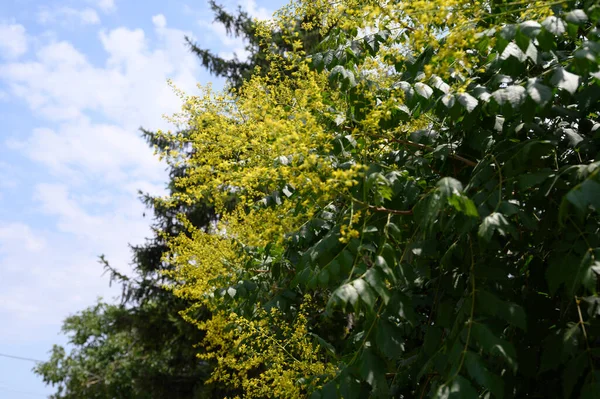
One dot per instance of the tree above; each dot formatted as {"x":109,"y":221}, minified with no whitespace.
{"x":243,"y":25}
{"x":141,"y":347}
{"x":417,"y":210}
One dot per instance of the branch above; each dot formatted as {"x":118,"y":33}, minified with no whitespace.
{"x":392,"y":211}
{"x":382,"y":209}
{"x":426,"y":147}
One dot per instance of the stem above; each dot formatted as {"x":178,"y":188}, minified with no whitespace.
{"x":464,"y":353}
{"x":587,"y":343}
{"x":428,"y":148}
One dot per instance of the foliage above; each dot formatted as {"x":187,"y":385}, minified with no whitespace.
{"x":242,"y":25}
{"x":428,"y":177}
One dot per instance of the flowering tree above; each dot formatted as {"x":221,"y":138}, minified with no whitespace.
{"x":416,"y":205}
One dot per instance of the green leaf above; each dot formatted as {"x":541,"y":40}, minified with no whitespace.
{"x":458,"y":388}
{"x":342,"y":75}
{"x":532,"y":53}
{"x":343,"y":295}
{"x":573,"y":372}
{"x":513,"y":95}
{"x":365,"y":293}
{"x":402,"y":307}
{"x":479,"y":372}
{"x":538,"y":92}
{"x":565,"y":80}
{"x":388,"y":339}
{"x":590,"y":390}
{"x":533,"y":179}
{"x":382,"y":265}
{"x":376,"y":280}
{"x":439,"y":84}
{"x":561,"y":270}
{"x":346,"y":260}
{"x":584,"y":195}
{"x":492,"y":223}
{"x":467,"y":101}
{"x":423,"y":90}
{"x":349,"y":387}
{"x":482,"y":93}
{"x":324,"y":277}
{"x":494,"y":345}
{"x":334,"y":268}
{"x":329,"y":390}
{"x":554,"y":25}
{"x":512,"y":50}
{"x":373,"y":372}
{"x":577,"y":17}
{"x":588,"y":270}
{"x":530,"y":28}
{"x":448,"y":100}
{"x":510,"y":312}
{"x":330,"y":348}
{"x":463,"y":204}
{"x":393,"y":231}
{"x":449,"y":186}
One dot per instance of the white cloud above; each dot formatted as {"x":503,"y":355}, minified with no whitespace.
{"x":254,"y":10}
{"x":13,"y":40}
{"x":130,"y":90}
{"x":80,"y":149}
{"x":19,"y":235}
{"x":159,"y":21}
{"x":89,"y":141}
{"x":106,"y":5}
{"x":67,"y":15}
{"x":50,"y":273}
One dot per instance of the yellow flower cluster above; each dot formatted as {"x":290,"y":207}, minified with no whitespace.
{"x":205,"y":261}
{"x":266,"y":358}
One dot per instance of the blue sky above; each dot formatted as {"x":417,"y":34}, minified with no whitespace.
{"x":77,"y":80}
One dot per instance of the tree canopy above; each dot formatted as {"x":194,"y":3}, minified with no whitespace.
{"x":407,"y":209}
{"x":416,"y":208}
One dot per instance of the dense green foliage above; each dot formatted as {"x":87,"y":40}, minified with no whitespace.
{"x":462,"y":259}
{"x":416,"y":205}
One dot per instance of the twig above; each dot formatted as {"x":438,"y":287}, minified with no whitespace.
{"x":426,"y":147}
{"x":382,"y":209}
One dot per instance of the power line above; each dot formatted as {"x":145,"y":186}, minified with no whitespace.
{"x":28,"y":359}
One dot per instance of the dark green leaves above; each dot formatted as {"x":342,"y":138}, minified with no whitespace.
{"x":583,"y":196}
{"x":512,"y":313}
{"x":476,"y":367}
{"x":373,"y":372}
{"x":494,"y":345}
{"x":458,"y":388}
